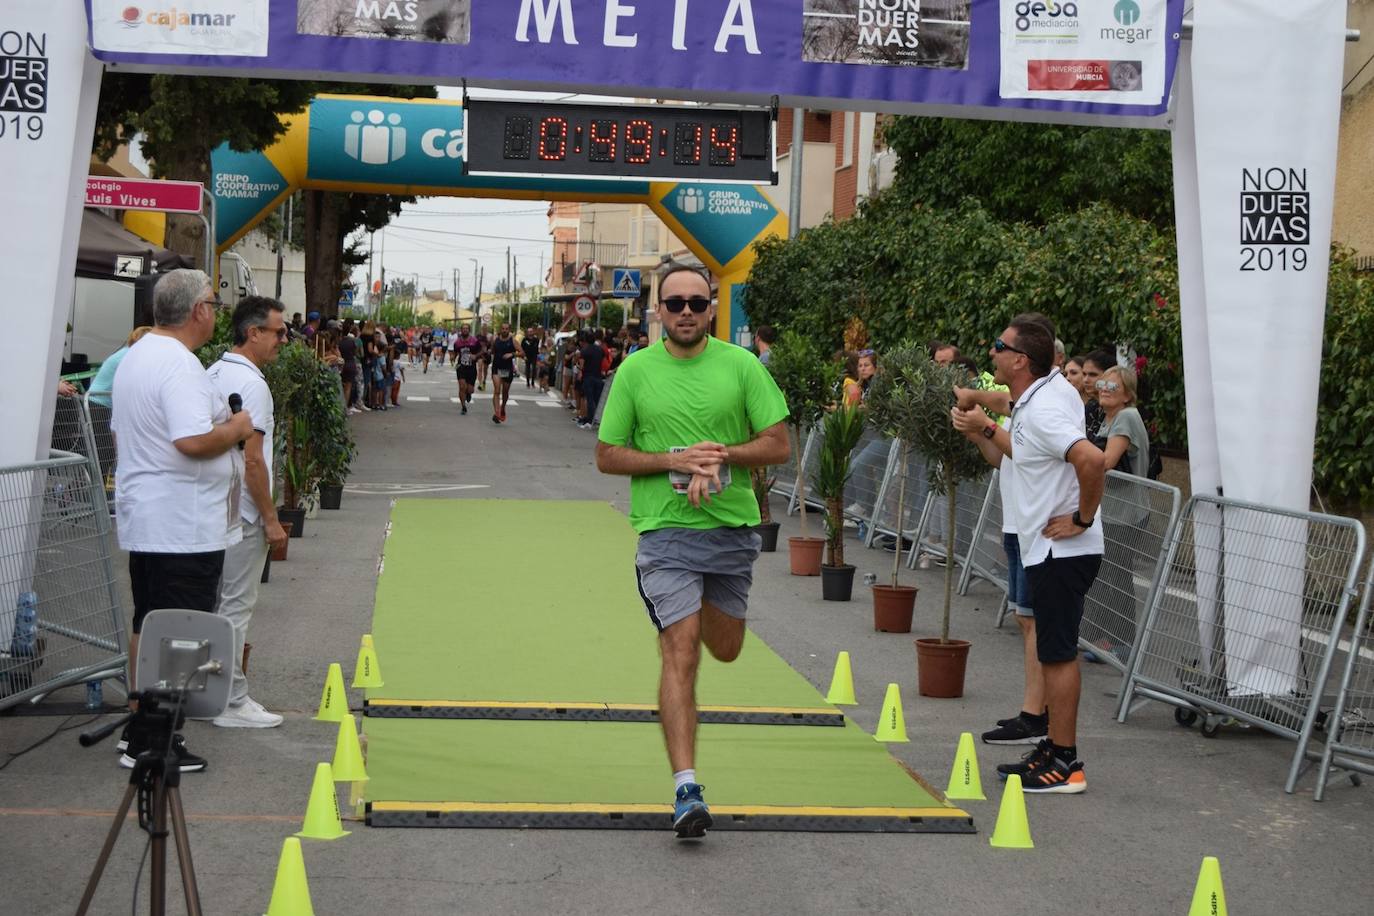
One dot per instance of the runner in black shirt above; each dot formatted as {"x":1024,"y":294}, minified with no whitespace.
{"x":592,"y":380}
{"x":502,"y":372}
{"x":530,"y":347}
{"x":426,"y":345}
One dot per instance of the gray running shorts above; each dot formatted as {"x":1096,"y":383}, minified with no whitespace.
{"x":678,"y":568}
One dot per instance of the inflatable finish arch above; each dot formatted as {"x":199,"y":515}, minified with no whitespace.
{"x":415,"y":147}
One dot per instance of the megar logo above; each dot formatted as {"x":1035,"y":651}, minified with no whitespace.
{"x":1047,"y":14}
{"x":1127,"y":12}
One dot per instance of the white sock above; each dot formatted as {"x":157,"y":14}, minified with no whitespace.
{"x":682,"y":777}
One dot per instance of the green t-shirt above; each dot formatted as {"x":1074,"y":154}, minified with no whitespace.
{"x":658,"y":402}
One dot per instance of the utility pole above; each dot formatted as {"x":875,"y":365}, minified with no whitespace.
{"x":371,"y":251}
{"x":481,"y":280}
{"x":519,"y":300}
{"x":508,"y":279}
{"x":455,"y":295}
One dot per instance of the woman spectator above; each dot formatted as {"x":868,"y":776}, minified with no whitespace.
{"x":348,"y":349}
{"x":871,"y":460}
{"x":1094,"y":364}
{"x":1125,"y":506}
{"x":103,"y":383}
{"x":1073,"y":371}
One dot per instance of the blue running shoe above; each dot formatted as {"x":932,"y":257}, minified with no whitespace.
{"x":691,"y":817}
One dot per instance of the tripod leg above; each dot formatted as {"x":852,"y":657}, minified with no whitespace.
{"x":103,"y":859}
{"x":157,"y":873}
{"x":183,"y":841}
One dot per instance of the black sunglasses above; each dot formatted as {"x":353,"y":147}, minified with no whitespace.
{"x":1000,"y":346}
{"x":675,"y":304}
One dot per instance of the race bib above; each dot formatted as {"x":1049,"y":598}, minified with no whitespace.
{"x":681,"y":482}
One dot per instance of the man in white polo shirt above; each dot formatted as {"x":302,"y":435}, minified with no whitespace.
{"x":177,"y":477}
{"x":259,"y":331}
{"x":1059,"y":480}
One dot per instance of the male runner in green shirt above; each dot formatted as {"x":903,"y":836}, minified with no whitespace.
{"x":686,"y":419}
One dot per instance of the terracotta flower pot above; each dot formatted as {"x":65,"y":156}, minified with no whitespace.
{"x":805,"y":554}
{"x":940,"y":667}
{"x":279,"y":553}
{"x":893,"y":607}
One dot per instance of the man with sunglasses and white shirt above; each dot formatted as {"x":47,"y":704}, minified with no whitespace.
{"x":686,"y":420}
{"x":1059,"y":478}
{"x":259,"y":333}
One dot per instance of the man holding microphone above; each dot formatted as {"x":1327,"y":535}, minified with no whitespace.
{"x":177,"y":477}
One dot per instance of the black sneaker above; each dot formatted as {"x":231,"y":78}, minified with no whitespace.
{"x":1055,"y":777}
{"x":465,"y":407}
{"x":186,"y":761}
{"x":1019,"y":730}
{"x":1037,"y":757}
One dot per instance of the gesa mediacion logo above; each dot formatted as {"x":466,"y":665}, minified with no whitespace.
{"x":1042,"y":14}
{"x":172,"y":18}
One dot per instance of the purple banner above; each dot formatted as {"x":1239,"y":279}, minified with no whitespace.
{"x":902,"y":56}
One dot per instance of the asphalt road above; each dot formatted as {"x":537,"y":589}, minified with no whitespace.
{"x":1160,"y":797}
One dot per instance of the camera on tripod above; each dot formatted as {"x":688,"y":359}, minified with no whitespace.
{"x":185,"y":659}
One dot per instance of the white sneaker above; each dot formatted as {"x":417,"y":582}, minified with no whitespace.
{"x":249,"y":714}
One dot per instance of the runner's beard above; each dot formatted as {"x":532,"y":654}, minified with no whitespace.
{"x":686,"y":338}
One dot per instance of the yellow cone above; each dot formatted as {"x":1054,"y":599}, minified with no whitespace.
{"x":1012,"y":830}
{"x":322,"y":814}
{"x":964,"y":782}
{"x":291,"y":891}
{"x":334,"y":700}
{"x":366,"y":672}
{"x":1208,"y":897}
{"x":891,"y":726}
{"x":842,"y":683}
{"x":348,"y":754}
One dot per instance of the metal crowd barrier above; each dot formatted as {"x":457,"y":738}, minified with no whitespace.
{"x":1138,"y":517}
{"x":61,"y":617}
{"x":1350,"y":727}
{"x":1246,"y":618}
{"x":986,"y":558}
{"x":885,"y":521}
{"x":970,"y":502}
{"x":786,"y":479}
{"x":872,"y":461}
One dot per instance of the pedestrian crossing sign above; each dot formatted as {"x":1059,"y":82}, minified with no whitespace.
{"x":625,"y":283}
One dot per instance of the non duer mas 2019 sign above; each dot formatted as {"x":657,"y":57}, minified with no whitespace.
{"x":639,"y":142}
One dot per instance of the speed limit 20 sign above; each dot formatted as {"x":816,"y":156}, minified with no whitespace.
{"x":585,"y":306}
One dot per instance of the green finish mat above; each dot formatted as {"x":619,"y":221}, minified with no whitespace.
{"x":474,"y":607}
{"x":516,"y":601}
{"x":842,"y":774}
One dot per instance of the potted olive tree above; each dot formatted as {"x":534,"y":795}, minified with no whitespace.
{"x":917,"y":396}
{"x":801,"y":373}
{"x":330,"y":437}
{"x":843,"y":428}
{"x":762,"y":483}
{"x":292,"y":380}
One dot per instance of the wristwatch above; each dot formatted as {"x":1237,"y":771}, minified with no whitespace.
{"x":1078,"y":520}
{"x":989,"y":431}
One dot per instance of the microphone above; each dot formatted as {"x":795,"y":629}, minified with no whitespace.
{"x":235,"y":405}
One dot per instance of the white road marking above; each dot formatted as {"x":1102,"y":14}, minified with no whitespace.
{"x":412,"y":397}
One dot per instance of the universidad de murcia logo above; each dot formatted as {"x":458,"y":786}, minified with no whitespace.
{"x":133,"y":17}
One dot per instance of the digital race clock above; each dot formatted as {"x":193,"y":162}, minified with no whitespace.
{"x":638,"y":142}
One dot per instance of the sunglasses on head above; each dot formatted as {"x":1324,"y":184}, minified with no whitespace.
{"x":999,"y":346}
{"x":675,"y":304}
